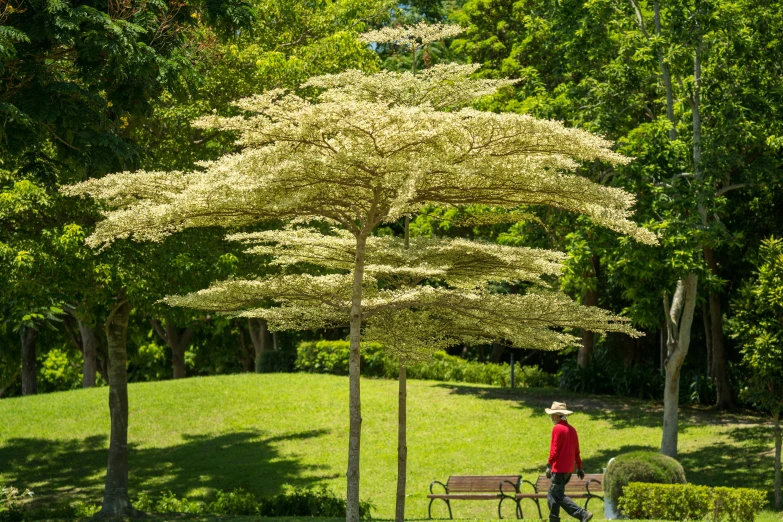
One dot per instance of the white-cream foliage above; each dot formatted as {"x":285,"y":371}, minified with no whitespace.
{"x":369,"y":149}
{"x":357,"y":161}
{"x":412,"y":36}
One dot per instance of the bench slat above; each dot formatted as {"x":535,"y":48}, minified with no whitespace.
{"x":576,"y":484}
{"x":470,"y":483}
{"x":465,"y":496}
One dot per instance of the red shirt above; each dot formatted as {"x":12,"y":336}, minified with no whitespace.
{"x":564,"y":449}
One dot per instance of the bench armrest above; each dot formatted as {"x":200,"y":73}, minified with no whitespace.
{"x":587,"y":486}
{"x":533,"y":485}
{"x":503,"y":493}
{"x":445,"y":487}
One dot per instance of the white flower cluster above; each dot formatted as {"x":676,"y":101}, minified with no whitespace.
{"x":412,"y":36}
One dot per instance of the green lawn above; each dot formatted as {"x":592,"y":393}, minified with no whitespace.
{"x":259,"y":432}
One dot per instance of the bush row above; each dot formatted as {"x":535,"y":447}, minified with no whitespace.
{"x":689,"y":502}
{"x":332,"y":357}
{"x":319,"y":502}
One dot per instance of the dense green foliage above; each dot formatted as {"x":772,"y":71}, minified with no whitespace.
{"x":332,"y":357}
{"x":689,"y":502}
{"x":641,"y":466}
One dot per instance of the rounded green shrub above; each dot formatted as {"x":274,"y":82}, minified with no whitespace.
{"x":641,"y":466}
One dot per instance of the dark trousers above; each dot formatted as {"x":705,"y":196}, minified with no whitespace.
{"x":557,"y":498}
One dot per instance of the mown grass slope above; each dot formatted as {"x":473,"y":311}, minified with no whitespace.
{"x":261,"y":432}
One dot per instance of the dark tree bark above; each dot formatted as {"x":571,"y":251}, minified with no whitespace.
{"x":259,"y":335}
{"x":705,"y":316}
{"x":402,"y":444}
{"x":725,"y":399}
{"x":590,"y":299}
{"x":178,"y":341}
{"x":89,"y":354}
{"x":116,"y":501}
{"x":246,"y":355}
{"x":29,"y":383}
{"x":497,"y":352}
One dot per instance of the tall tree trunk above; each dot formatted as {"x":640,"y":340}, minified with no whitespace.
{"x":402,"y":444}
{"x":29,"y":383}
{"x":178,"y":341}
{"x":679,"y":319}
{"x":705,"y":317}
{"x":258,"y":335}
{"x":778,"y":480}
{"x":497,"y":352}
{"x":354,"y":384}
{"x":665,"y":74}
{"x":89,"y":354}
{"x":116,"y":501}
{"x":590,"y":299}
{"x":720,"y":373}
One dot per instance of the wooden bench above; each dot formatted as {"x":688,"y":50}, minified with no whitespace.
{"x":588,"y":488}
{"x":496,"y":487}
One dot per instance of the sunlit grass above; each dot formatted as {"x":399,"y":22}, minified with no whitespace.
{"x":261,"y":432}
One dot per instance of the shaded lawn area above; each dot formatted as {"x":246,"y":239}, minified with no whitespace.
{"x":262,"y":432}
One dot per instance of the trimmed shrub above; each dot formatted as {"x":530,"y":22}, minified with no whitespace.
{"x":332,"y":357}
{"x":689,"y":502}
{"x":737,"y":504}
{"x":641,"y":466}
{"x":319,"y":502}
{"x":665,"y":501}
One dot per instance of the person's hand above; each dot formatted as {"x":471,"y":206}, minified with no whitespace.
{"x":580,"y":473}
{"x":549,"y":471}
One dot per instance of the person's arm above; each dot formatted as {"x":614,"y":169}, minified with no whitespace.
{"x":579,"y":471}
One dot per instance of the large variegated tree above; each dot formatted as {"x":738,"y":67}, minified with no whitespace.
{"x":367,"y":150}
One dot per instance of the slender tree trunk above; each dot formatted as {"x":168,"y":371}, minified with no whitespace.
{"x":89,"y":354}
{"x":778,"y":480}
{"x":29,"y":383}
{"x":275,"y":341}
{"x":720,"y":373}
{"x":665,"y":74}
{"x":679,"y":319}
{"x":590,"y":299}
{"x":354,"y":384}
{"x":497,"y":352}
{"x":116,"y":501}
{"x":705,"y":317}
{"x":402,"y":444}
{"x":258,"y":335}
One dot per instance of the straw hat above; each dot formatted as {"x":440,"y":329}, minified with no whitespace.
{"x":558,"y":407}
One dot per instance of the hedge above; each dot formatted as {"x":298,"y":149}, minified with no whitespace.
{"x":332,"y":357}
{"x":690,"y":502}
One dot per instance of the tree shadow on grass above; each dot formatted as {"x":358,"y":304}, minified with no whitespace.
{"x":75,"y":469}
{"x":621,"y":413}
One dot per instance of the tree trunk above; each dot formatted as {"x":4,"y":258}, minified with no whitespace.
{"x":402,"y":445}
{"x":248,"y":356}
{"x":590,"y":299}
{"x":679,"y":319}
{"x":89,"y":354}
{"x":725,"y":398}
{"x":275,"y":341}
{"x":705,"y":317}
{"x":354,"y":384}
{"x":177,"y":342}
{"x":778,"y":480}
{"x":29,"y":384}
{"x":116,"y":501}
{"x":497,"y":352}
{"x":665,"y":74}
{"x":258,"y":335}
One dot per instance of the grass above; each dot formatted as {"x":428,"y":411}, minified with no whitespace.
{"x":261,"y":432}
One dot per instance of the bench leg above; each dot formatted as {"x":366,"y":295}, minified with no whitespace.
{"x":519,"y":509}
{"x":538,"y":505}
{"x":591,"y":497}
{"x":448,"y":504}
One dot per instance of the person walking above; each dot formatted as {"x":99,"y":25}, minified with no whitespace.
{"x":563,"y":458}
